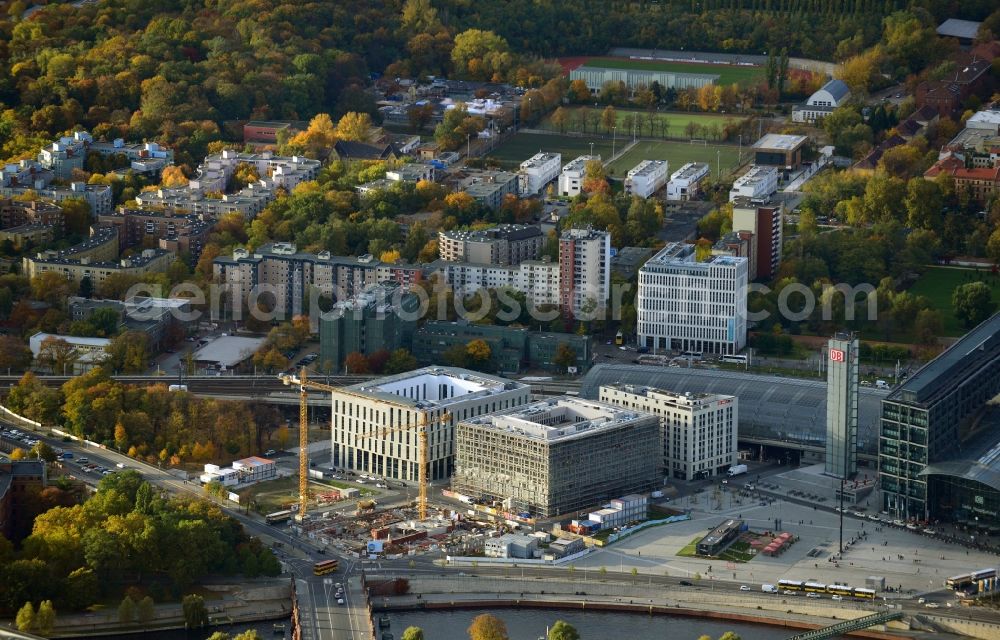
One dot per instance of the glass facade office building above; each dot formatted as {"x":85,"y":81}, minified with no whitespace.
{"x":936,"y":450}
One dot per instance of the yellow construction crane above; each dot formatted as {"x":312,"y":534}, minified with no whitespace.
{"x":423,"y":454}
{"x":304,"y":385}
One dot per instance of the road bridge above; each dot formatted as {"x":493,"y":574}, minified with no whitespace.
{"x":847,"y":626}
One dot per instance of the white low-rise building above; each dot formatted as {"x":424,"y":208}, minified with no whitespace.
{"x":692,"y":306}
{"x":538,"y":171}
{"x":87,"y":353}
{"x":646,"y":178}
{"x":685,"y":182}
{"x":757,"y":184}
{"x":572,"y":175}
{"x":822,"y":103}
{"x":699,"y":429}
{"x":242,"y":472}
{"x":226,"y":476}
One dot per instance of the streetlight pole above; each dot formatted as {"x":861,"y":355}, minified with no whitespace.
{"x":614,"y":137}
{"x":591,"y":149}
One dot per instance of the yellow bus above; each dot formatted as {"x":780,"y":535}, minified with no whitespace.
{"x":619,"y":338}
{"x":325,"y":567}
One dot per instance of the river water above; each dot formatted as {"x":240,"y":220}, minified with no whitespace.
{"x":530,"y":624}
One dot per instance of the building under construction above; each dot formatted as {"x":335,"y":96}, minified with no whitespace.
{"x":557,"y":456}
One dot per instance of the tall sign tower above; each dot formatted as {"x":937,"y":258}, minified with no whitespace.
{"x":842,"y":406}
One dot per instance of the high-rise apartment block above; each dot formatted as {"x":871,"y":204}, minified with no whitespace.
{"x":698,"y":430}
{"x":764,"y":222}
{"x":584,"y":271}
{"x":557,"y":456}
{"x":692,"y":306}
{"x":376,"y":424}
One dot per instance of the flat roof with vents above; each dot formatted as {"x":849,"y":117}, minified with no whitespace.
{"x":434,"y":386}
{"x":557,"y":419}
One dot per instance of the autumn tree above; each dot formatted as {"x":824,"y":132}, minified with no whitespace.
{"x":481,"y":55}
{"x":129,"y":352}
{"x":51,"y":287}
{"x":56,"y":355}
{"x":560,"y":118}
{"x":595,"y":179}
{"x":126,"y":610}
{"x":173,"y":176}
{"x":609,"y":118}
{"x":564,"y":357}
{"x":578,"y":91}
{"x":400,"y":361}
{"x":356,"y":363}
{"x":354,"y":126}
{"x":413,"y":633}
{"x":14,"y":354}
{"x":195,"y":613}
{"x":478,"y":352}
{"x":25,"y":619}
{"x":487,"y":627}
{"x":320,"y":135}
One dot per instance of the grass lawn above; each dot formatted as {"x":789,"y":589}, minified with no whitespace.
{"x":739,"y":551}
{"x":677,"y":154}
{"x":522,"y":146}
{"x":728,"y":74}
{"x":677,"y":121}
{"x":690,"y":549}
{"x":938,"y":284}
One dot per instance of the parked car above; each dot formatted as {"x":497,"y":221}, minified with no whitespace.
{"x":686,"y":583}
{"x":813,"y":595}
{"x":744,"y":587}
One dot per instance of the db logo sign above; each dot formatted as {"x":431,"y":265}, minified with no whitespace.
{"x":836,"y":355}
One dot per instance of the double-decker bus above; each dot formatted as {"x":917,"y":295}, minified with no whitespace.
{"x":971,"y":584}
{"x":815,"y":587}
{"x":790,"y":585}
{"x":325,"y":566}
{"x":278,"y":516}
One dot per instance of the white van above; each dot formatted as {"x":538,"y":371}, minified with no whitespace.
{"x":768,"y":588}
{"x":881,"y":384}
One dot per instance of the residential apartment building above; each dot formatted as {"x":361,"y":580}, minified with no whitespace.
{"x":144,"y":157}
{"x":98,"y":196}
{"x":646,"y":178}
{"x":376,"y":424}
{"x":248,"y":202}
{"x":28,"y":234}
{"x":488,"y":188}
{"x":698,"y":430}
{"x":538,"y":171}
{"x":572,"y":175}
{"x":65,"y":154}
{"x":215,"y":172}
{"x":692,"y":306}
{"x":382,"y":317}
{"x":507,"y":244}
{"x":833,"y":94}
{"x":982,"y":183}
{"x":537,"y":279}
{"x":169,"y":231}
{"x":16,"y":213}
{"x":280,"y":273}
{"x":764,"y":224}
{"x":557,"y":456}
{"x":938,"y":442}
{"x":584,"y":271}
{"x":759,"y":183}
{"x":685,"y":183}
{"x":148,"y":261}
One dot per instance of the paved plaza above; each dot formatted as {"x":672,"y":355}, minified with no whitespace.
{"x":906,"y":559}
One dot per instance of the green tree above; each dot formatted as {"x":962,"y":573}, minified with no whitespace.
{"x":126,"y":610}
{"x":973,"y":303}
{"x":129,"y":352}
{"x":400,"y":361}
{"x":43,"y":451}
{"x":45,"y":619}
{"x":487,"y":627}
{"x":729,"y":635}
{"x":563,"y":630}
{"x":14,"y":354}
{"x":25,"y":619}
{"x":145,"y":611}
{"x":251,"y":634}
{"x":195,"y":613}
{"x":413,"y":633}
